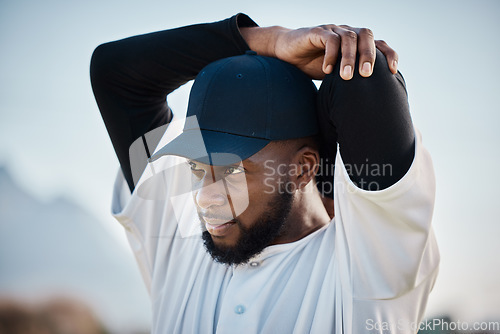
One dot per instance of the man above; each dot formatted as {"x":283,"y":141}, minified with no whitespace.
{"x":271,"y":258}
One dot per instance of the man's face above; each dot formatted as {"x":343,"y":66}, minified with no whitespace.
{"x":243,"y":207}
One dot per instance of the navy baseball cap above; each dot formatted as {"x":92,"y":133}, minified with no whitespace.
{"x":240,"y":105}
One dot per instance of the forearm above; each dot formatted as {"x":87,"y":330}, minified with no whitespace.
{"x":132,"y":77}
{"x":370,"y":119}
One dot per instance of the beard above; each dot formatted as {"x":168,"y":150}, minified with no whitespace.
{"x":253,"y":239}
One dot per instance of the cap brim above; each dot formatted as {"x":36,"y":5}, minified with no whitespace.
{"x":211,"y":147}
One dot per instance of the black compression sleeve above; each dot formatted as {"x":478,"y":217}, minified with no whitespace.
{"x":370,"y":120}
{"x":132,"y":77}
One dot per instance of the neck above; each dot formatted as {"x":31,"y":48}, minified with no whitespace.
{"x":308,"y":214}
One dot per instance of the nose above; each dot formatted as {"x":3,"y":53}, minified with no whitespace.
{"x":211,"y":194}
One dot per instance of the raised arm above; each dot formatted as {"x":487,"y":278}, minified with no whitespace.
{"x":362,"y":102}
{"x":132,"y":77}
{"x":370,"y":120}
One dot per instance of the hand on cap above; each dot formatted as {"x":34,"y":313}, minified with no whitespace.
{"x":315,"y":50}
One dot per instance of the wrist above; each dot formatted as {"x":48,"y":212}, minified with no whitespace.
{"x":263,"y":40}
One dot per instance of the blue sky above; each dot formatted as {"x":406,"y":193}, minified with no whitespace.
{"x":52,"y":138}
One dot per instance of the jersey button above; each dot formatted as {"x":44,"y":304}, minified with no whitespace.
{"x":239,"y":309}
{"x":254,"y":264}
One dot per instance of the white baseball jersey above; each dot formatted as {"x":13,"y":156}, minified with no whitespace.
{"x":370,"y":270}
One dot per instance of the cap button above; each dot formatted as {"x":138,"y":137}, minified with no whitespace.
{"x":251,"y":53}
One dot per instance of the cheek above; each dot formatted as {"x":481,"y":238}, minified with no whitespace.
{"x":239,"y":199}
{"x":259,"y":193}
{"x":237,"y":192}
{"x":268,"y":186}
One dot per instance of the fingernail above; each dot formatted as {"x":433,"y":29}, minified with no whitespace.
{"x":366,"y":69}
{"x":328,"y":69}
{"x":347,"y":72}
{"x":395,"y":64}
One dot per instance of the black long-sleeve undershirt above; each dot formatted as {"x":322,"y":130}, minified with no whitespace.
{"x":370,"y":120}
{"x":131,"y":78}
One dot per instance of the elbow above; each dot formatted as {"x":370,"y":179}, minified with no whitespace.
{"x":102,"y":63}
{"x":382,"y":83}
{"x":381,"y":71}
{"x":382,"y":76}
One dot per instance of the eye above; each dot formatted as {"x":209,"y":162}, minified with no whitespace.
{"x":234,"y":170}
{"x":192,"y":165}
{"x":196,"y":170}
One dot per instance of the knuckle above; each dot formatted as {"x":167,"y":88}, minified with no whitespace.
{"x":327,"y":26}
{"x":349,"y":56}
{"x":390,"y":53}
{"x":350,"y":35}
{"x":317,"y":30}
{"x":381,"y":42}
{"x":366,"y":32}
{"x":336,"y":37}
{"x":367,"y":53}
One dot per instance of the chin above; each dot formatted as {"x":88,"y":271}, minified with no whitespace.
{"x":226,"y":241}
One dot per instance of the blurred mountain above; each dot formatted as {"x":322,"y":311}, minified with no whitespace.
{"x":57,"y":249}
{"x":56,"y":316}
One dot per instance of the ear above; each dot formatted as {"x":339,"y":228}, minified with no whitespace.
{"x":307,"y":159}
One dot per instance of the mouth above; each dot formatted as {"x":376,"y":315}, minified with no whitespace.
{"x":218,"y":227}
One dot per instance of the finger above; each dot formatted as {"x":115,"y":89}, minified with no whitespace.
{"x":331,"y":51}
{"x":330,"y":42}
{"x":366,"y":50}
{"x":391,"y":55}
{"x":348,"y":46}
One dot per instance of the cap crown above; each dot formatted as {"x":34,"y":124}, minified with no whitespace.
{"x":254,"y":96}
